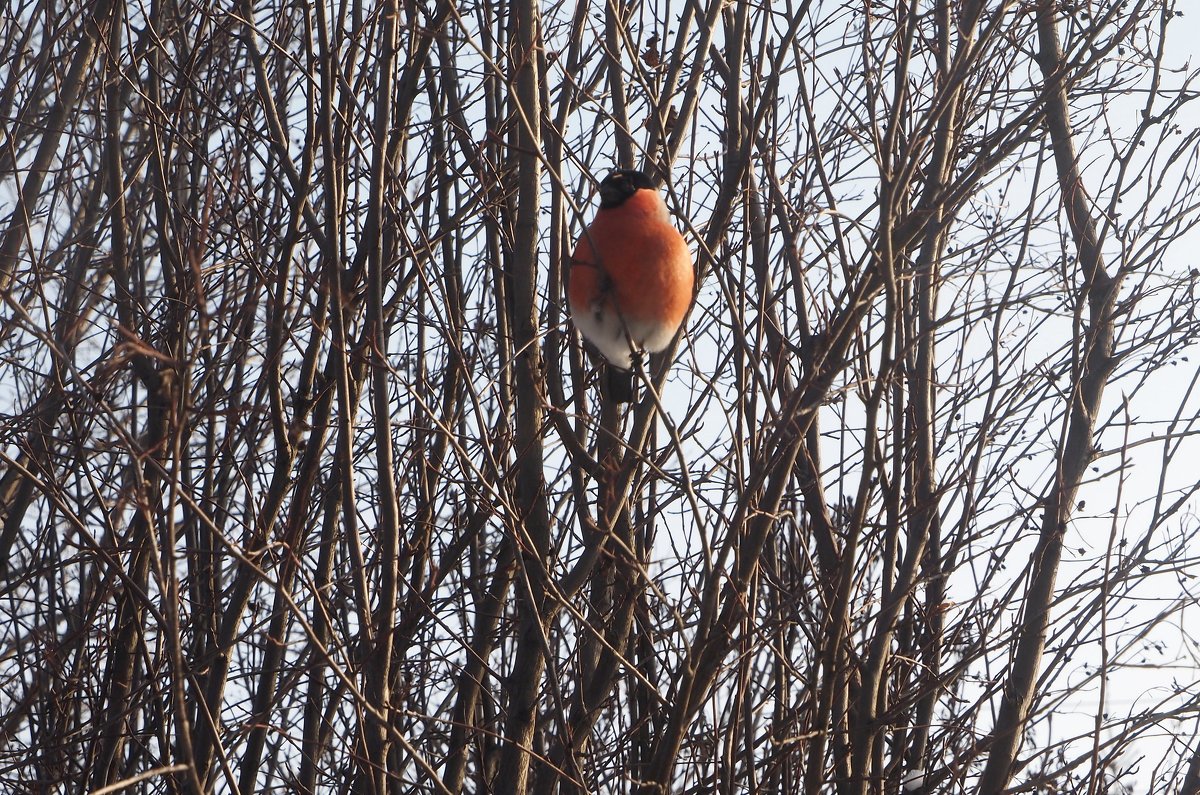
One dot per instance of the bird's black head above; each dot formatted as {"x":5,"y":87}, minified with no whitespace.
{"x":620,"y":185}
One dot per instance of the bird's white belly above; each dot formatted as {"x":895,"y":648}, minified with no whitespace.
{"x":612,"y":334}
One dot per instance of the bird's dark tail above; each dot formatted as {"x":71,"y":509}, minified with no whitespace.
{"x":618,"y":384}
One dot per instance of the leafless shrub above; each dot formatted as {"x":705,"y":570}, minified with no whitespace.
{"x":306,"y":486}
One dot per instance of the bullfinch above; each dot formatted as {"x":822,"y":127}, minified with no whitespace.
{"x":631,"y":277}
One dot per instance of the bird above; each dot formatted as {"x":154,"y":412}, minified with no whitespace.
{"x":631,"y":277}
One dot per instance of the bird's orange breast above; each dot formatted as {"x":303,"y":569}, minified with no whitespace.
{"x":633,"y":260}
